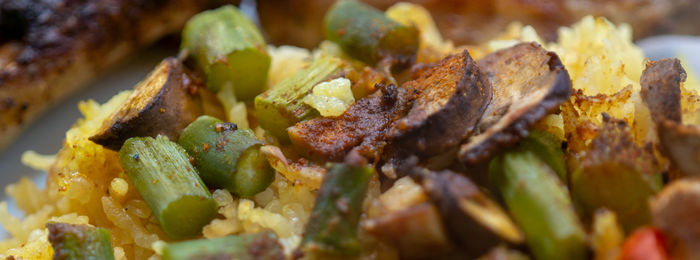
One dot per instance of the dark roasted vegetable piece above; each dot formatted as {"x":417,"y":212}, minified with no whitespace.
{"x":469,"y":214}
{"x":527,"y":82}
{"x":161,"y":104}
{"x":675,"y":211}
{"x":616,"y":174}
{"x":333,"y":224}
{"x":262,"y":245}
{"x":368,"y":35}
{"x":282,"y":106}
{"x":79,"y":242}
{"x":661,"y":91}
{"x":452,"y":98}
{"x":227,"y":157}
{"x":426,"y":116}
{"x":539,"y":204}
{"x":417,"y":231}
{"x":161,"y":172}
{"x":229,"y":49}
{"x":661,"y":88}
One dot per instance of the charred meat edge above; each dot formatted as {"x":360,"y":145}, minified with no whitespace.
{"x":164,"y":103}
{"x":452,"y":97}
{"x":519,"y":117}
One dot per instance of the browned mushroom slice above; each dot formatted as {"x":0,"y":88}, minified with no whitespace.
{"x":528,"y":83}
{"x":661,"y":88}
{"x":675,"y":211}
{"x":425,"y":116}
{"x":453,"y":96}
{"x":473,"y":221}
{"x":416,"y":231}
{"x":163,"y":103}
{"x":661,"y":91}
{"x":681,"y":143}
{"x":363,"y":124}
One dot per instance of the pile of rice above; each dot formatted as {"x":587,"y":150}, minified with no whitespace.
{"x":86,"y":184}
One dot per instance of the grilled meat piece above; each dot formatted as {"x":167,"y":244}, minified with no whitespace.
{"x":363,"y":124}
{"x":528,"y":82}
{"x":453,"y":96}
{"x":477,"y":21}
{"x":51,"y":48}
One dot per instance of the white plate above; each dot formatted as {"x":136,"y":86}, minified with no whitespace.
{"x":46,"y":135}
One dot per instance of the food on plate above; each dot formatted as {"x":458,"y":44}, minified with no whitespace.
{"x":384,"y":143}
{"x":51,"y":49}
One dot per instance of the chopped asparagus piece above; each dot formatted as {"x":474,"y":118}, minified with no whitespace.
{"x":227,"y":157}
{"x":368,"y":35}
{"x":73,"y":242}
{"x":253,"y":173}
{"x":548,"y":148}
{"x":161,"y":172}
{"x":229,"y":49}
{"x":540,"y":205}
{"x":262,"y":245}
{"x":283,"y":106}
{"x":332,"y":227}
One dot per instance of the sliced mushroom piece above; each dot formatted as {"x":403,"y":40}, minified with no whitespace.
{"x":163,"y":103}
{"x":681,"y":143}
{"x":416,"y":231}
{"x":661,"y":91}
{"x":453,"y":97}
{"x":675,"y":211}
{"x":661,"y":88}
{"x":528,"y":82}
{"x":472,"y":219}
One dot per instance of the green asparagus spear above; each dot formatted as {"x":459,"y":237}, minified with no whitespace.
{"x":548,"y":148}
{"x":332,"y":227}
{"x":262,"y":245}
{"x":368,"y":35}
{"x":229,"y":49}
{"x":227,"y":157}
{"x":539,"y":204}
{"x":161,"y":172}
{"x":282,"y":106}
{"x":74,"y":242}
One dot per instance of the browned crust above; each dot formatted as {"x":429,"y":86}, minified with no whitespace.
{"x":363,"y":124}
{"x":453,"y":96}
{"x":75,"y":43}
{"x":526,"y":69}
